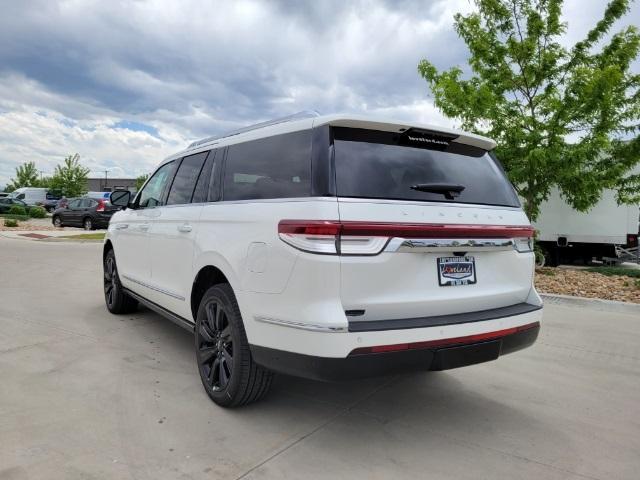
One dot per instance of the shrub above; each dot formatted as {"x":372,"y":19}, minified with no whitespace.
{"x":17,"y":210}
{"x":37,"y":212}
{"x":10,"y":222}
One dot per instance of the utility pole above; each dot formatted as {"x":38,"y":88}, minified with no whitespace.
{"x":105,"y":180}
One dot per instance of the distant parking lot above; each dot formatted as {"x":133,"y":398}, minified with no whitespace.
{"x":86,"y":394}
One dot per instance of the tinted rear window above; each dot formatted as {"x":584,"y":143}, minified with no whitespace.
{"x":371,"y":164}
{"x":272,"y":167}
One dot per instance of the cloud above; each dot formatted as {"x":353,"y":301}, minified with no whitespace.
{"x":126,"y":83}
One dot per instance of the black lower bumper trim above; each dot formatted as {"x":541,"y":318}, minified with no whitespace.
{"x":439,"y":320}
{"x":379,"y":364}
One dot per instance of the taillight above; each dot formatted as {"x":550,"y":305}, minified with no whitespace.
{"x":632,"y":240}
{"x":333,"y":237}
{"x":329,"y":237}
{"x":100,"y":207}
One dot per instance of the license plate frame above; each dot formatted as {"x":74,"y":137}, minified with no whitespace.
{"x":457,"y":271}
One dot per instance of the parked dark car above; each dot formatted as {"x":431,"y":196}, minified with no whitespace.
{"x":7,"y":202}
{"x":84,"y":212}
{"x":51,"y":202}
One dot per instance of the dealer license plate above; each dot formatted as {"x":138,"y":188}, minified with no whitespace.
{"x":453,"y":271}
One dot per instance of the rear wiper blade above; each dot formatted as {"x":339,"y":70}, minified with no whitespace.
{"x":449,"y":190}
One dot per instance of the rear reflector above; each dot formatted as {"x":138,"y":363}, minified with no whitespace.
{"x":366,"y":238}
{"x":445,"y":342}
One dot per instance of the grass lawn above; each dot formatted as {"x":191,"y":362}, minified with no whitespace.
{"x":84,"y":236}
{"x":629,"y":272}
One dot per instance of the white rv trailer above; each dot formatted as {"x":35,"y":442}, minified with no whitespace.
{"x":567,"y":235}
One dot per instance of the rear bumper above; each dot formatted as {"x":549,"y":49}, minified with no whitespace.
{"x":363,"y":365}
{"x":101,"y":220}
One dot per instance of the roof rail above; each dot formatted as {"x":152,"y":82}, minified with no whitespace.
{"x":288,"y":118}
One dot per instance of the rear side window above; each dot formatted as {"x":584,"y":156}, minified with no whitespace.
{"x":272,"y":167}
{"x":185,"y":180}
{"x":387,"y":165}
{"x":207,"y":175}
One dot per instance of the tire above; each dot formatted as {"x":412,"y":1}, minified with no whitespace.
{"x":87,"y":223}
{"x":551,"y":256}
{"x":114,"y":296}
{"x":57,"y":221}
{"x":228,"y":373}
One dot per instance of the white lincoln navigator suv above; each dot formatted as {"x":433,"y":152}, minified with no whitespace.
{"x":329,"y":247}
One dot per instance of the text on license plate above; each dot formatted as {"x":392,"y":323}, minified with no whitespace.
{"x":454,"y":271}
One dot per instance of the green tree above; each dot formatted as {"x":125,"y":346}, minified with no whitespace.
{"x":26,"y":176}
{"x":44,"y":182}
{"x":70,"y":178}
{"x":140,"y":180}
{"x":562,"y":117}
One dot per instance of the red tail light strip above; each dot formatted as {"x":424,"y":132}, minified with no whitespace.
{"x":446,"y":342}
{"x":404,"y":230}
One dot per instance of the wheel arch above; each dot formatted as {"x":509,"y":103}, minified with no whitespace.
{"x":107,"y":246}
{"x":206,"y":277}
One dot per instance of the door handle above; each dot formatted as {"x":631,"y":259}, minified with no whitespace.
{"x":122,"y":226}
{"x":144,"y":226}
{"x":185,"y":228}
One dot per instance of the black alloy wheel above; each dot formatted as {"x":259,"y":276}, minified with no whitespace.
{"x":215,"y":346}
{"x":114,"y":296}
{"x":87,"y":224}
{"x":57,"y":221}
{"x":110,"y":283}
{"x":229,"y":375}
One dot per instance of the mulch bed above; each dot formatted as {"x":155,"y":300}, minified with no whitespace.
{"x":28,"y":227}
{"x":580,"y":283}
{"x":38,"y":236}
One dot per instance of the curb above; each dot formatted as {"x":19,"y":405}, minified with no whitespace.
{"x":593,"y":303}
{"x":68,"y":240}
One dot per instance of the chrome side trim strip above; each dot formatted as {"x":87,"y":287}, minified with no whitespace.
{"x":416,"y":245}
{"x":153,"y":287}
{"x":302,"y":326}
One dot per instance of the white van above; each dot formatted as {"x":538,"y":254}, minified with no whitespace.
{"x":330,"y":247}
{"x":30,"y":195}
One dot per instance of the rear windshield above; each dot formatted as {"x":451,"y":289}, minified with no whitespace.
{"x":373,"y":164}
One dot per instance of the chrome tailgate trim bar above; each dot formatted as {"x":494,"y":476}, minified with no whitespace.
{"x":417,"y":245}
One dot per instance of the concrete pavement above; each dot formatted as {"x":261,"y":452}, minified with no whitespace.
{"x":88,"y":395}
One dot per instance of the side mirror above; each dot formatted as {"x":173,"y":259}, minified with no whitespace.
{"x":120,"y":198}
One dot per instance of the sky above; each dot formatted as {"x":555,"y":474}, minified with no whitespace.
{"x":126,"y":83}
